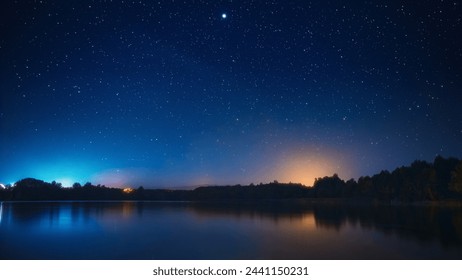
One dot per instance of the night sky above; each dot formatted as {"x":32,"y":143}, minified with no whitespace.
{"x":188,"y":93}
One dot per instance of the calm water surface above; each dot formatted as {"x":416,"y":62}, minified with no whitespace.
{"x":187,"y":230}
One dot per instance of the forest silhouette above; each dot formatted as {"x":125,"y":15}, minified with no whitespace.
{"x":440,"y":180}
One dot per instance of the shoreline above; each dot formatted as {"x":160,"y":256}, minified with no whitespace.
{"x":291,"y":201}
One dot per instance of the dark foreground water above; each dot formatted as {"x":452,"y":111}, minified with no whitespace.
{"x":269,"y":230}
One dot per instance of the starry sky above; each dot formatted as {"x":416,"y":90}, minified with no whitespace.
{"x":188,"y":93}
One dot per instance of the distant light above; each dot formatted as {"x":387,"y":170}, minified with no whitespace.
{"x":223,"y":15}
{"x":128,"y":190}
{"x":65,"y":182}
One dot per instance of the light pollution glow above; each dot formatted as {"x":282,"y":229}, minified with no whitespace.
{"x":298,"y":163}
{"x":305,"y":167}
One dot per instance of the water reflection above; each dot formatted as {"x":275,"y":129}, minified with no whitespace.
{"x":245,"y":230}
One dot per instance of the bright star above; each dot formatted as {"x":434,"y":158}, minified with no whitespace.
{"x":223,"y":16}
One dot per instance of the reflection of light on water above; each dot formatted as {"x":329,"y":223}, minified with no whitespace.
{"x":127,"y":209}
{"x":308,"y":220}
{"x":1,"y":211}
{"x":58,"y":218}
{"x":65,"y":218}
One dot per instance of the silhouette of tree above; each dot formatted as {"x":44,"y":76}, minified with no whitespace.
{"x":456,"y":180}
{"x":140,"y":193}
{"x":33,"y":189}
{"x":384,"y":185}
{"x":420,"y":181}
{"x":444,"y":168}
{"x":365,"y":187}
{"x":329,"y":186}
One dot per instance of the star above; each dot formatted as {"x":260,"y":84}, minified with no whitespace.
{"x":269,"y":88}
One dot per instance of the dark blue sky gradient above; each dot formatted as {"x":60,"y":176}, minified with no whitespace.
{"x":171,"y":94}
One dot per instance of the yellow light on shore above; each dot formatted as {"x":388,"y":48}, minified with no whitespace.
{"x":128,"y":190}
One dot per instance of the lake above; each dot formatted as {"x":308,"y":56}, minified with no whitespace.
{"x":227,"y":230}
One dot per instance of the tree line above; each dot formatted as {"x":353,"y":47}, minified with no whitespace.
{"x":421,"y":181}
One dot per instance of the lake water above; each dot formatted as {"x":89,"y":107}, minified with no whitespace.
{"x":246,"y":230}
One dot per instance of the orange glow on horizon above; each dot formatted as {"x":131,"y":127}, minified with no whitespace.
{"x":305,"y":167}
